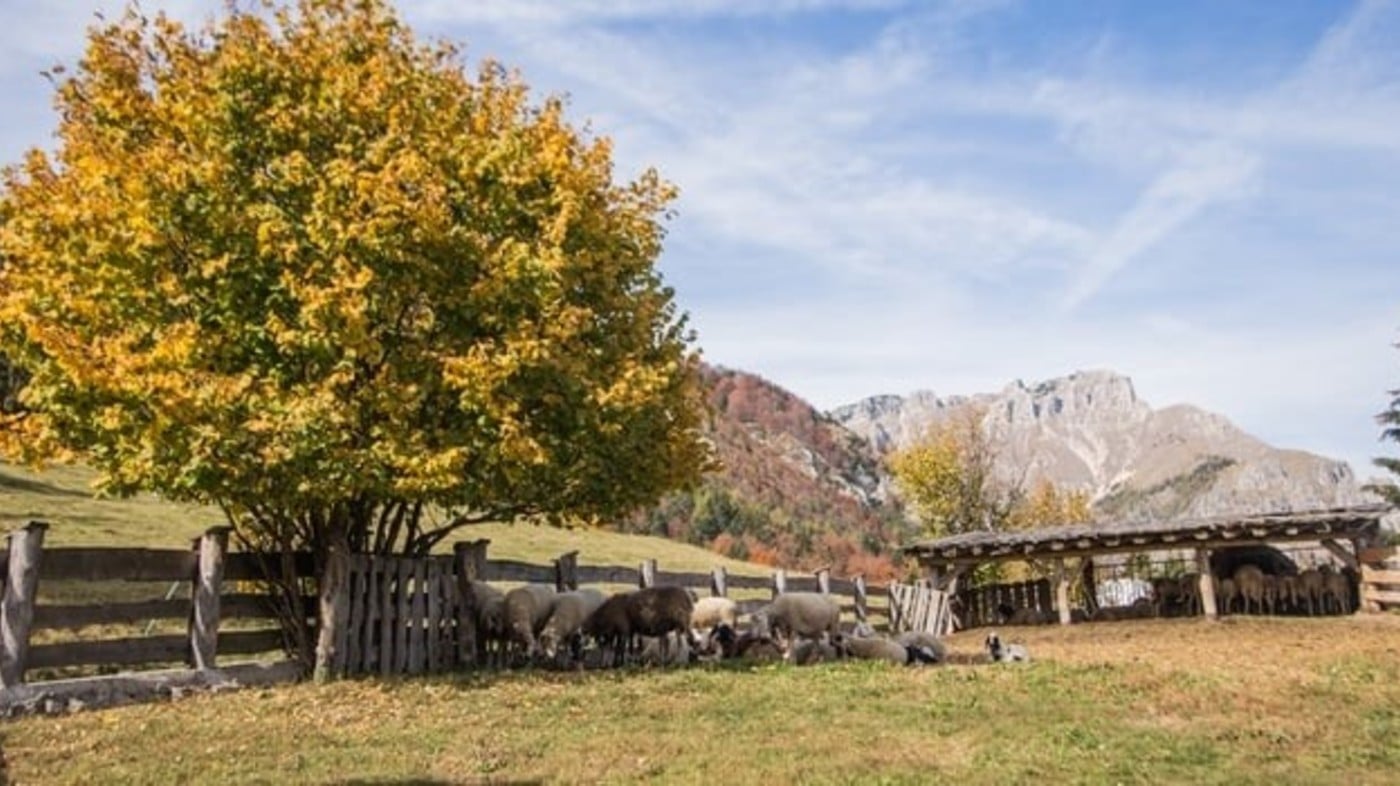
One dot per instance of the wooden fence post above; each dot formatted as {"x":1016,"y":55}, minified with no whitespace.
{"x":1207,"y":586}
{"x":861,"y":601}
{"x":719,"y":582}
{"x":647,"y":574}
{"x":779,"y":582}
{"x":17,"y":608}
{"x":1062,"y":591}
{"x":208,"y":584}
{"x":566,"y":572}
{"x":824,"y":581}
{"x":469,"y":563}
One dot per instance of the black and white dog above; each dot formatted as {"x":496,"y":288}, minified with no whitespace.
{"x":1005,"y":653}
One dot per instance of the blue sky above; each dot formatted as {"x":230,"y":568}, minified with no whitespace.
{"x":883,"y":196}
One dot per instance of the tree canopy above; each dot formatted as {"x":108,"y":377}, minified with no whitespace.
{"x":300,"y":265}
{"x":1390,"y":430}
{"x":951,"y":480}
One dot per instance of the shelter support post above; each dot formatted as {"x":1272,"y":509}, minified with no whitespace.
{"x":1062,"y":591}
{"x":1207,"y":588}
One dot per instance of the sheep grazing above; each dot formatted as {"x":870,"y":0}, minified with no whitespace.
{"x":489,"y":617}
{"x":610,"y":626}
{"x":806,"y":614}
{"x":1249,"y":582}
{"x":527,"y":608}
{"x":709,"y":613}
{"x":661,"y":611}
{"x":1005,"y":653}
{"x":564,"y":628}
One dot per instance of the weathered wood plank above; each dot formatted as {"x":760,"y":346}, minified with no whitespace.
{"x":512,"y":570}
{"x":63,"y":615}
{"x":433,"y":624}
{"x":354,"y":625}
{"x":247,"y":566}
{"x":1378,"y":576}
{"x":117,"y":564}
{"x":403,"y":570}
{"x":1376,"y":555}
{"x":1387,"y":597}
{"x":17,"y":607}
{"x":250,"y":642}
{"x":112,"y":652}
{"x":417,"y":618}
{"x":607,"y":574}
{"x":208,"y":584}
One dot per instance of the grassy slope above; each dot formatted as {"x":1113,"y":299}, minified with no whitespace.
{"x":1171,"y":701}
{"x":62,"y":496}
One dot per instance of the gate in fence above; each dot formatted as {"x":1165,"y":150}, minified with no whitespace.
{"x":919,"y":607}
{"x":402,"y":617}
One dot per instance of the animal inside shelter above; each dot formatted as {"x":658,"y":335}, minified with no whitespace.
{"x":1307,"y":562}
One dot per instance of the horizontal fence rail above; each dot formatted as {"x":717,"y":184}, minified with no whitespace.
{"x":403,"y":615}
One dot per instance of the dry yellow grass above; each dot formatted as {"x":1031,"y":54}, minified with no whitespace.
{"x":1172,"y":701}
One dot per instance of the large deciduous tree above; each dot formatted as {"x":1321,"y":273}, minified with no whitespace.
{"x":302,"y":266}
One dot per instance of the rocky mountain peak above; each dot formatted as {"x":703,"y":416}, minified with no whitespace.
{"x":1089,"y":431}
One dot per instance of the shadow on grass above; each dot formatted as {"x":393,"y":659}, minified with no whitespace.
{"x":430,"y":782}
{"x":10,"y":482}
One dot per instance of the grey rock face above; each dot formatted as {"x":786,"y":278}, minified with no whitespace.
{"x":1089,"y":431}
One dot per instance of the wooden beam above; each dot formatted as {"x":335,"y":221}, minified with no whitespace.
{"x":1207,"y":584}
{"x":1341,"y":552}
{"x":26,"y":554}
{"x":1371,"y":575}
{"x":1062,"y":591}
{"x":1369,"y":595}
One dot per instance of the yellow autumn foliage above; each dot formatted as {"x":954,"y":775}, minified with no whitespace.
{"x":301,"y":265}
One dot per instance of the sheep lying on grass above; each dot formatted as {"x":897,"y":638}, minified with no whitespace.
{"x":933,"y":647}
{"x":1005,"y":653}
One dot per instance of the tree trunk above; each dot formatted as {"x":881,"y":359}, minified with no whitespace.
{"x":334,"y":596}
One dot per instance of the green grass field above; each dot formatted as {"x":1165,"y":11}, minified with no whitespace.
{"x":1171,"y":701}
{"x":63,"y":497}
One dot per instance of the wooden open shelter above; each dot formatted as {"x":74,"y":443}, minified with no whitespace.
{"x":1346,"y":532}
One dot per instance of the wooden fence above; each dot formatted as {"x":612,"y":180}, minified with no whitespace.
{"x":404,"y":615}
{"x":982,"y":605}
{"x":1380,"y":579}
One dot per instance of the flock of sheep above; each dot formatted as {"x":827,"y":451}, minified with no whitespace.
{"x":535,"y":625}
{"x":1251,"y":590}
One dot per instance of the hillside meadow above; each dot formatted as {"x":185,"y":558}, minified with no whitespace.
{"x":1165,"y":701}
{"x":1169,"y":701}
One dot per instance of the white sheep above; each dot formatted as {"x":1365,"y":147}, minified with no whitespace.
{"x":527,"y":608}
{"x":800,"y":614}
{"x":564,"y":627}
{"x":710,"y":612}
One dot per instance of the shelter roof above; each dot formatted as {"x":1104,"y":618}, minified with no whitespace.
{"x":1089,"y":539}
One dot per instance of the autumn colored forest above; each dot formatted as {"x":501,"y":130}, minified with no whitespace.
{"x":794,"y":489}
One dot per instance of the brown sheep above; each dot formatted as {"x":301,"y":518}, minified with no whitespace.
{"x":1288,"y":592}
{"x":1271,"y":585}
{"x":611,"y":627}
{"x":1189,"y":586}
{"x":661,"y":611}
{"x":1249,"y":582}
{"x":1336,"y":592}
{"x":1310,"y":586}
{"x":1227,"y":591}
